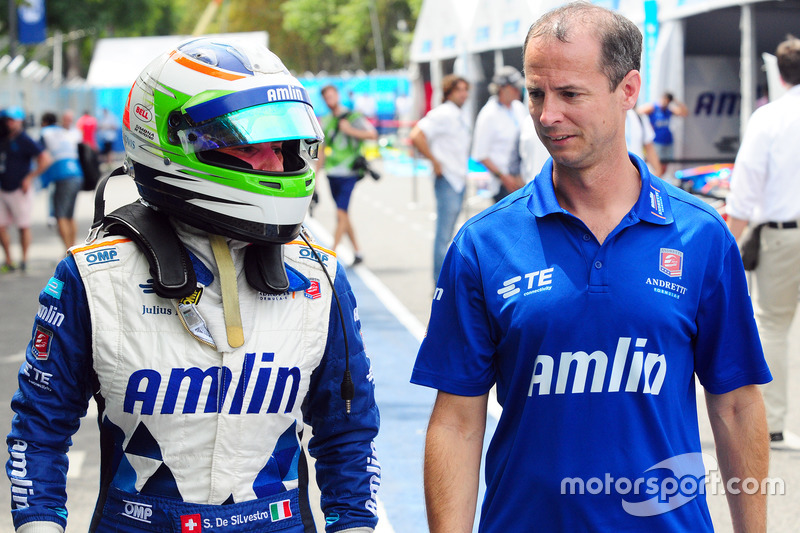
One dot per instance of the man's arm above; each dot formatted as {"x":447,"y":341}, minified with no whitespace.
{"x":651,"y":156}
{"x":511,"y":182}
{"x":678,"y":108}
{"x":420,"y":142}
{"x":739,"y":423}
{"x":453,"y":448}
{"x":737,"y":226}
{"x":43,"y":161}
{"x":364,"y":132}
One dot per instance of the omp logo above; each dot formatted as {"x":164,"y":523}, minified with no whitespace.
{"x":148,"y":391}
{"x":543,"y":279}
{"x":630,"y":372}
{"x":21,"y":487}
{"x":138,"y":511}
{"x":106,"y":255}
{"x":308,"y":253}
{"x":142,"y":112}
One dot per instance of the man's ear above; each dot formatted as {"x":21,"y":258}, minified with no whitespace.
{"x":629,"y":87}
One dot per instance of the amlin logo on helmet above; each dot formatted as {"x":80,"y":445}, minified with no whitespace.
{"x":669,"y":484}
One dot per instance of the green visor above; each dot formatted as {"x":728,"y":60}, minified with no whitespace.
{"x":276,"y":121}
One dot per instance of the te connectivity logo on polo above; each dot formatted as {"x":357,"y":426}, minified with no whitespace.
{"x":542,"y":280}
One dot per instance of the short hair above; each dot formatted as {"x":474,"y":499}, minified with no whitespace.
{"x":327,"y":88}
{"x":620,"y":39}
{"x":449,"y":84}
{"x":49,"y":118}
{"x":788,"y":53}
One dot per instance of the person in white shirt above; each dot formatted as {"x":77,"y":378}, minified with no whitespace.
{"x":639,"y":137}
{"x":765,"y":194}
{"x":497,"y":130}
{"x":443,"y":137}
{"x":532,"y":153}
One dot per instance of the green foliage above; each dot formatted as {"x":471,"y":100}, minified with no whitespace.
{"x":309,"y":35}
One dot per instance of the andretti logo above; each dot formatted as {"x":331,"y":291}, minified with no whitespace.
{"x":671,"y":262}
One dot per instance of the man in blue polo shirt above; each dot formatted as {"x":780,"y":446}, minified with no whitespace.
{"x":591,"y":298}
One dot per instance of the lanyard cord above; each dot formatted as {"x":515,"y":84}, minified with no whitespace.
{"x":347,"y":387}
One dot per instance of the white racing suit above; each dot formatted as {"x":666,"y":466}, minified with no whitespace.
{"x":195,"y":435}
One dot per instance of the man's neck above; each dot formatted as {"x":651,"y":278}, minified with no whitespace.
{"x":600,"y":197}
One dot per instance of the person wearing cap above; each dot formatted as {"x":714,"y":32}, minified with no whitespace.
{"x":209,"y":328}
{"x":443,"y":137}
{"x":497,"y":130}
{"x":18,"y":153}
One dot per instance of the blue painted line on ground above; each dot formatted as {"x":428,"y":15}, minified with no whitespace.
{"x":404,"y":408}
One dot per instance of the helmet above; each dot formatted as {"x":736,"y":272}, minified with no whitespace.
{"x":211,"y":93}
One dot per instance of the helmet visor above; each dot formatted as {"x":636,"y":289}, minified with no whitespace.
{"x":276,"y":121}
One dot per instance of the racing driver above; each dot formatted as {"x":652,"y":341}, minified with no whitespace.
{"x":204,"y":322}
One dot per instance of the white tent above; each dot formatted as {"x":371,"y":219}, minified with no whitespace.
{"x":117,"y":61}
{"x":707,"y":52}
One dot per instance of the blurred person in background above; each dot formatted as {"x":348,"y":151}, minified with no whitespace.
{"x":660,"y":114}
{"x":108,"y":130}
{"x":639,"y":137}
{"x":765,"y":195}
{"x":21,"y":160}
{"x":87,"y":125}
{"x":443,"y":137}
{"x":64,"y":176}
{"x":345,"y":131}
{"x":497,"y":130}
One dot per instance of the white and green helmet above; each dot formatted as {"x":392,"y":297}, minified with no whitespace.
{"x":213,"y":93}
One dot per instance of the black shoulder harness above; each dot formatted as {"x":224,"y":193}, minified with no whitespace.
{"x":170,"y":264}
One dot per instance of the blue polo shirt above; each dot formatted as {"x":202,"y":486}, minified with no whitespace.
{"x":594,"y":350}
{"x":18,"y":154}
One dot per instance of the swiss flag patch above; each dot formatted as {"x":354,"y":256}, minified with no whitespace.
{"x":191,"y":523}
{"x":41,"y":343}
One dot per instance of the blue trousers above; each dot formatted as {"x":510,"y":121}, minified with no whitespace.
{"x":448,"y":206}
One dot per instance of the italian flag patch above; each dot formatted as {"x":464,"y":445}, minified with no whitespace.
{"x":280,"y":510}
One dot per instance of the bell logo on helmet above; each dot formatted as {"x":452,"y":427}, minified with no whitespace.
{"x":143,"y":113}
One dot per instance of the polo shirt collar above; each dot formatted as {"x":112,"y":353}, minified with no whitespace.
{"x":652,"y":206}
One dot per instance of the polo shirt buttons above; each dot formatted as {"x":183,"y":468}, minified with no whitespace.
{"x":586,"y":237}
{"x":598,"y":264}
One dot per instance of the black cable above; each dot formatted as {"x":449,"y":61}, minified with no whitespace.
{"x":347,"y":389}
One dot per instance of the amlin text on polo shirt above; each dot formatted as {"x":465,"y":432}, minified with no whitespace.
{"x":645,"y":373}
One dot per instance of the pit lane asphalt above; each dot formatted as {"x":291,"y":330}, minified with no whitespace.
{"x":394,"y":220}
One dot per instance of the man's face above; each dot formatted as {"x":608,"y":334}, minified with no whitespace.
{"x":262,"y":156}
{"x":459,"y":94}
{"x":14,"y":126}
{"x":331,"y":97}
{"x":577,"y":117}
{"x":508,"y":93}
